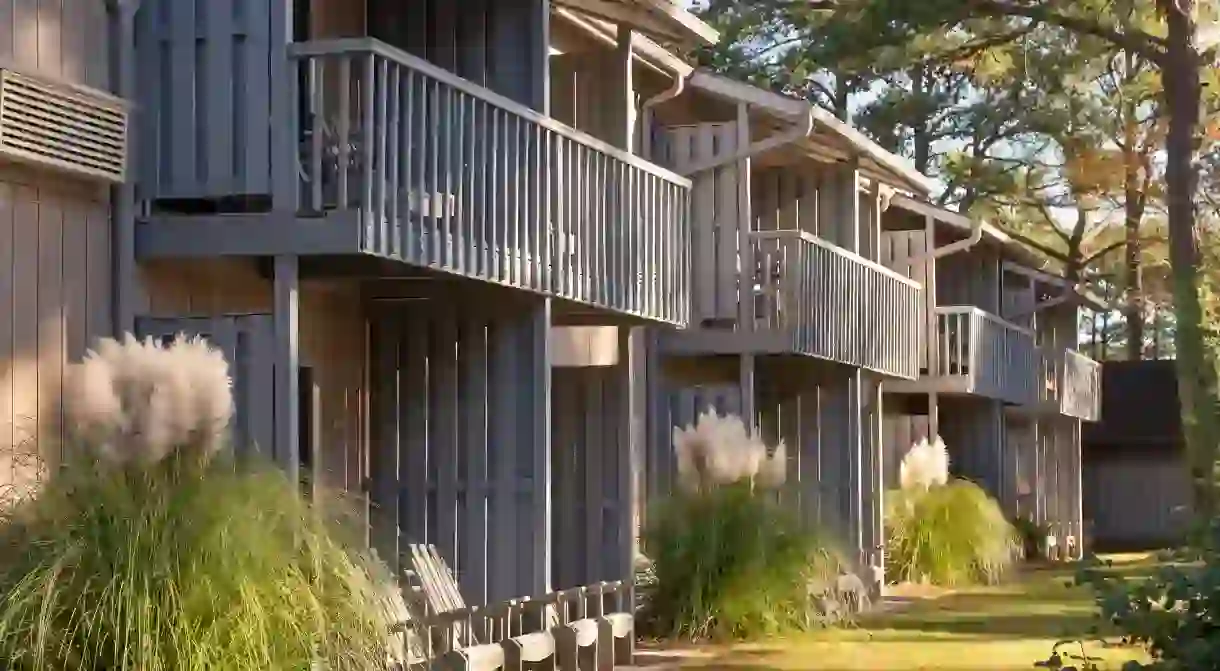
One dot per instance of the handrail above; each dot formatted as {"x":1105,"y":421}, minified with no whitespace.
{"x":366,"y":45}
{"x":806,"y":236}
{"x":989,"y":316}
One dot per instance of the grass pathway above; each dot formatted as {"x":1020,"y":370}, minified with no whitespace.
{"x":986,"y":629}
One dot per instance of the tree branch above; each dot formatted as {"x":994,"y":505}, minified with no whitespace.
{"x":1144,"y":44}
{"x":1038,"y":246}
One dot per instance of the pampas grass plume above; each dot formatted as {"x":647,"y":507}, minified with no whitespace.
{"x":136,"y":401}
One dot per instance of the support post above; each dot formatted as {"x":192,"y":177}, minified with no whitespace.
{"x":749,"y":393}
{"x":123,"y":196}
{"x":857,"y":412}
{"x":287,"y":360}
{"x":745,"y":223}
{"x":637,"y":436}
{"x":933,"y":416}
{"x":539,"y":428}
{"x":624,"y":115}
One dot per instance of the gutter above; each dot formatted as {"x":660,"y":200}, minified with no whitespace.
{"x":976,"y":235}
{"x":670,"y":93}
{"x":795,"y":135}
{"x":122,"y":196}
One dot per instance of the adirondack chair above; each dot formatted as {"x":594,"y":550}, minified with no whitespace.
{"x":580,"y":639}
{"x":478,"y":638}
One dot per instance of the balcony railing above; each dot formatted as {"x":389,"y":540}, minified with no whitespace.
{"x":834,"y":304}
{"x":442,"y":173}
{"x":1073,"y":384}
{"x":991,"y":357}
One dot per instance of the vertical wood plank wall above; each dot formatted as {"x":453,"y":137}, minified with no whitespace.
{"x":498,"y":44}
{"x":832,"y":430}
{"x":973,"y":430}
{"x":332,"y":327}
{"x":66,"y":40}
{"x":1137,"y":499}
{"x":455,"y":443}
{"x":591,"y":471}
{"x":54,"y":236}
{"x":716,"y":215}
{"x":55,"y":293}
{"x":204,"y":86}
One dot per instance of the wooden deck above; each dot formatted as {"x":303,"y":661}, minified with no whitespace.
{"x":402,"y":160}
{"x":977,"y":353}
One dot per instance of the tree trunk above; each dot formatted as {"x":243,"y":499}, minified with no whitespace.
{"x":843,"y":97}
{"x":1133,"y":206}
{"x":1195,"y":364}
{"x":922,"y":138}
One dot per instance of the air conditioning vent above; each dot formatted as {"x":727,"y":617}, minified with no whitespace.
{"x":62,"y":127}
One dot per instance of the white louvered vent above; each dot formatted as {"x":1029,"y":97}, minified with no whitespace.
{"x":61,"y":127}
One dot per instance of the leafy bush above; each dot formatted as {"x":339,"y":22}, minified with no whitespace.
{"x":1173,"y":613}
{"x":1032,"y":535}
{"x":155,"y":552}
{"x":726,"y":561}
{"x":945,"y":531}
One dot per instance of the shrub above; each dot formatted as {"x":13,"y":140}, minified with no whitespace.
{"x":944,"y":531}
{"x":726,"y":561}
{"x":1171,"y":613}
{"x":155,"y":551}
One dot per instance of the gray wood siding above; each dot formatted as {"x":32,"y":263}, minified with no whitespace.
{"x":207,"y":74}
{"x":460,"y":450}
{"x":899,"y":432}
{"x":832,"y":429}
{"x":497,"y":44}
{"x":592,"y":475}
{"x":55,"y":284}
{"x":1137,"y":499}
{"x":66,"y":40}
{"x":974,"y":431}
{"x":248,"y":344}
{"x":333,"y":343}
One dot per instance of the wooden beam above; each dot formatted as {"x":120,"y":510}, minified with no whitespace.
{"x":662,"y":18}
{"x":287,"y":361}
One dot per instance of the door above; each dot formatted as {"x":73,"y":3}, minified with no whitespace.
{"x":248,"y":343}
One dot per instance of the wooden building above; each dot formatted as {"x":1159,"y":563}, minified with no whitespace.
{"x":1000,"y":377}
{"x":473,"y":259}
{"x":795,"y":323}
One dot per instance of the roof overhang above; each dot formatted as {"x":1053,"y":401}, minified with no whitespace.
{"x":665,"y":21}
{"x":1020,"y":258}
{"x":876,"y":163}
{"x":645,"y":50}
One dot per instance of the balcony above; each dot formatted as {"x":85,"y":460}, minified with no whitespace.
{"x":977,"y":353}
{"x":827,"y":302}
{"x":814,"y":299}
{"x":401,"y":160}
{"x":1072,"y":384}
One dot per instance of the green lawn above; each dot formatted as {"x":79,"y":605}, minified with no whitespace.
{"x":987,"y":629}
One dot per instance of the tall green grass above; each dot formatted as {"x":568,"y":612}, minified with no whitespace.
{"x":188,"y":564}
{"x":950,"y":534}
{"x":730,"y":563}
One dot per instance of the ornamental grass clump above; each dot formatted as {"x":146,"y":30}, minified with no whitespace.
{"x":725,"y":560}
{"x":944,"y":531}
{"x":150,"y":548}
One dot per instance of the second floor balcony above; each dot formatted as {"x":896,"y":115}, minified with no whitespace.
{"x":399,"y":160}
{"x":808,"y":297}
{"x":973,"y":352}
{"x":1070,"y":384}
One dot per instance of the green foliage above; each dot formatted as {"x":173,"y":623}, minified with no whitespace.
{"x":184,"y":565}
{"x":952,"y":534}
{"x":729,"y":563}
{"x":1172,"y":613}
{"x":1032,"y":536}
